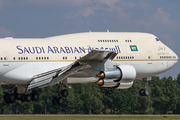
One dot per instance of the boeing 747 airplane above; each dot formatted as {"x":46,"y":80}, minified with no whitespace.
{"x":110,"y":59}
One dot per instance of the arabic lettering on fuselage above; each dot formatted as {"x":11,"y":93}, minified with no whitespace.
{"x":66,"y":49}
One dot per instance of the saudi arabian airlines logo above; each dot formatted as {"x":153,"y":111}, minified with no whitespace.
{"x":133,"y":48}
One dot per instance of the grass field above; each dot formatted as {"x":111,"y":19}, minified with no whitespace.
{"x":79,"y":117}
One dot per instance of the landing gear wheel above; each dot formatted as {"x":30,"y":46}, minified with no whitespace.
{"x":64,"y":93}
{"x":9,"y":98}
{"x":146,"y":92}
{"x":28,"y":98}
{"x":141,"y":92}
{"x":12,"y":98}
{"x":60,"y":94}
{"x":6,"y":98}
{"x":22,"y":98}
{"x":60,"y":100}
{"x":54,"y":100}
{"x":18,"y":96}
{"x":35,"y":97}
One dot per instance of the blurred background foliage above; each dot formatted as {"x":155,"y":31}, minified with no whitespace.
{"x":89,"y":98}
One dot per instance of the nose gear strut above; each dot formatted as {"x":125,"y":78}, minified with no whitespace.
{"x":145,"y":91}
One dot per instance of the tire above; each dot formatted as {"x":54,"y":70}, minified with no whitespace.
{"x":60,"y":101}
{"x":64,"y":93}
{"x":146,"y":92}
{"x":12,"y":98}
{"x":28,"y":98}
{"x":6,"y":98}
{"x":22,"y":98}
{"x":35,"y":97}
{"x":18,"y":96}
{"x":141,"y":92}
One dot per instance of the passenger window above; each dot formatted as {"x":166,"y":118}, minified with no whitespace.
{"x":4,"y":58}
{"x":14,"y":58}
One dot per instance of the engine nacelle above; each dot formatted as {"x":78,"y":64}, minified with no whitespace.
{"x":112,"y":83}
{"x":122,"y":74}
{"x":110,"y":74}
{"x":128,"y":73}
{"x":125,"y":85}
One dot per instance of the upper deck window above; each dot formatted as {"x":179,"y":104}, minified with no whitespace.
{"x":157,"y":39}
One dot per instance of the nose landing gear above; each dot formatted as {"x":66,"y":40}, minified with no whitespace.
{"x":145,"y":91}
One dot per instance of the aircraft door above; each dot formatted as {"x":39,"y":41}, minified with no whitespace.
{"x":149,"y":55}
{"x":5,"y":59}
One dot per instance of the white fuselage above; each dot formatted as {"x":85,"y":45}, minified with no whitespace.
{"x":21,"y":59}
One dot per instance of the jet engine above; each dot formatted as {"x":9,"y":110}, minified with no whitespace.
{"x":122,"y":74}
{"x":107,"y":83}
{"x":117,"y":85}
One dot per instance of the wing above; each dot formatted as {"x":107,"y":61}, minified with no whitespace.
{"x":54,"y":76}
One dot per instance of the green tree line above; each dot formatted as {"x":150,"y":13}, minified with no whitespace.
{"x":90,"y":98}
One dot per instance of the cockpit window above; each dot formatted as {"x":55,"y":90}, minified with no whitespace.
{"x":157,"y":39}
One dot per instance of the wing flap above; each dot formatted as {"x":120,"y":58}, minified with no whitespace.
{"x":38,"y":84}
{"x":54,"y":76}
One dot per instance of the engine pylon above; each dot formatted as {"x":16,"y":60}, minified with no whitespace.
{"x":101,"y":75}
{"x":100,"y":82}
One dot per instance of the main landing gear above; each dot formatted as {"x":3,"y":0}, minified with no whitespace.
{"x":145,"y":91}
{"x":13,"y":95}
{"x":61,"y":93}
